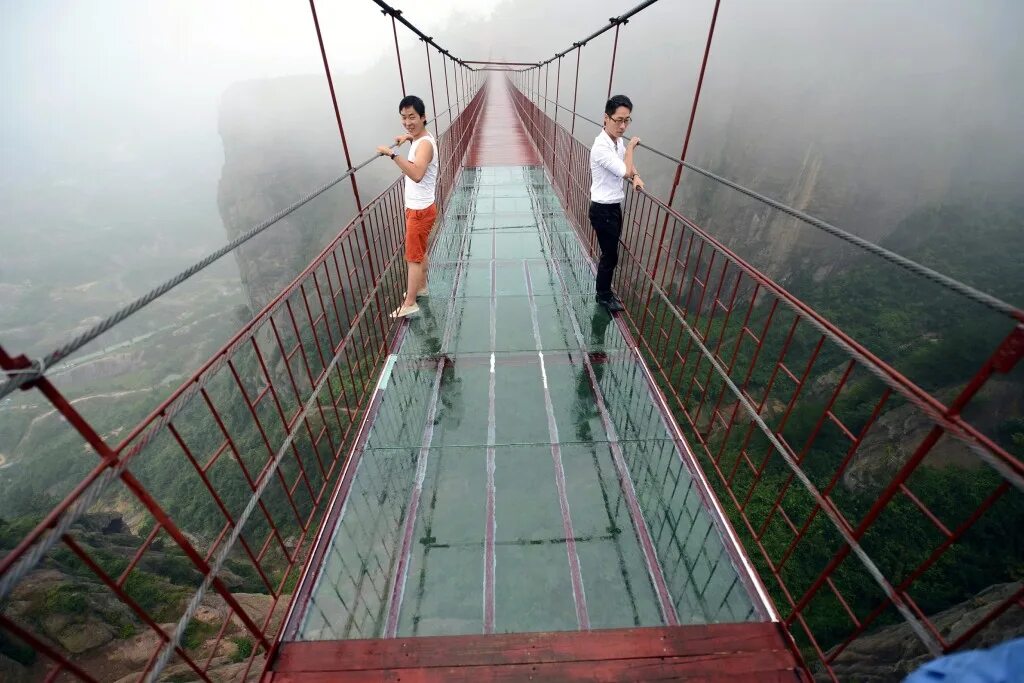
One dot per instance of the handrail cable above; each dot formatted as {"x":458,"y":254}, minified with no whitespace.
{"x":989,"y":301}
{"x":38,"y":367}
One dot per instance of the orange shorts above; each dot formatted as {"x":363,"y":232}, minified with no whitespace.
{"x":418,"y":223}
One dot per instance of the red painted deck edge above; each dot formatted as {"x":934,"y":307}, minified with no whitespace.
{"x":716,"y":650}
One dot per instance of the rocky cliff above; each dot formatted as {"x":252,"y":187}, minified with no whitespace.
{"x":889,"y":654}
{"x":68,"y":608}
{"x":281,"y":142}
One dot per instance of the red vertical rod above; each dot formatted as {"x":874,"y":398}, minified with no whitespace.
{"x":696,"y":98}
{"x":1011,"y":350}
{"x":572,"y":127}
{"x":460,"y":87}
{"x":447,"y":90}
{"x":455,"y":77}
{"x":433,"y":101}
{"x":611,"y":70}
{"x":337,"y":112}
{"x":558,"y":82}
{"x":547,"y":75}
{"x":344,"y":141}
{"x":398,"y":53}
{"x":576,"y":89}
{"x":682,"y":155}
{"x":460,"y":71}
{"x":539,"y":118}
{"x":544,"y":103}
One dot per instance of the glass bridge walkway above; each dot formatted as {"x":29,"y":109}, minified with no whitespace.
{"x":519,"y":476}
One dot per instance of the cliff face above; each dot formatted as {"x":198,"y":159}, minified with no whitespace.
{"x":824,"y":150}
{"x":280,"y":143}
{"x":275,"y":151}
{"x":890,"y":653}
{"x":79,"y":617}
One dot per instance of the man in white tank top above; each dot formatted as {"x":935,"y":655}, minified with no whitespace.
{"x":420,"y":169}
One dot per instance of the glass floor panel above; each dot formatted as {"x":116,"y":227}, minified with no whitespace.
{"x":518,"y":475}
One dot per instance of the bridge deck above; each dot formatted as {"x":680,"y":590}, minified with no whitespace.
{"x":518,"y":475}
{"x":723,"y":652}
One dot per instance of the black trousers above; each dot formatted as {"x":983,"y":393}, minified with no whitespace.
{"x":606,"y":220}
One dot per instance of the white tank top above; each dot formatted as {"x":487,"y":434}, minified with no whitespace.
{"x":421,"y":195}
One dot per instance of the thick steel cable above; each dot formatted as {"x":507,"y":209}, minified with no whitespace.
{"x":167,"y":647}
{"x":612,"y":22}
{"x":93,"y":491}
{"x":821,"y":500}
{"x":950,"y":426}
{"x":991,"y":302}
{"x":825,"y":505}
{"x":19,"y":378}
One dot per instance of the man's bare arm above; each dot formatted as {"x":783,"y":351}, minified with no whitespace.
{"x":414,"y":169}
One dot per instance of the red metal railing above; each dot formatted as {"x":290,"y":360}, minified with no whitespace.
{"x":778,"y":402}
{"x":260,"y":433}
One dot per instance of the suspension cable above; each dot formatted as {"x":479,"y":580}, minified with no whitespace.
{"x":16,"y":380}
{"x":991,"y":302}
{"x":976,"y":295}
{"x":396,"y":14}
{"x":613,"y":22}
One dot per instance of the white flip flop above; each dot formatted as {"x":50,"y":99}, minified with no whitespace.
{"x":405,"y":311}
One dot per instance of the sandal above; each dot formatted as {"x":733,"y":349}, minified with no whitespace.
{"x":405,"y":311}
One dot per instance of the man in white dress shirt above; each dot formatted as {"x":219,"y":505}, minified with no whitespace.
{"x":611,"y":162}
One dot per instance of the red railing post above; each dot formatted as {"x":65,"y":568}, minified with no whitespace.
{"x":344,"y":140}
{"x":682,"y":155}
{"x":576,"y":89}
{"x":547,"y":75}
{"x":433,"y":101}
{"x":558,"y":83}
{"x":398,"y":53}
{"x":447,"y":89}
{"x":465,"y":83}
{"x":696,"y":99}
{"x":572,"y":125}
{"x":547,"y":78}
{"x":611,"y":69}
{"x":334,"y":101}
{"x":455,"y":77}
{"x":1003,"y":360}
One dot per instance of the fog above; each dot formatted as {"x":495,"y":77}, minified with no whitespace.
{"x":110,"y":140}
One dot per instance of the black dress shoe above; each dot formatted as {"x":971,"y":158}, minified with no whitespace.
{"x":611,"y":303}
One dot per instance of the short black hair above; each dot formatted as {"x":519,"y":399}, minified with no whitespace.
{"x":616,"y":102}
{"x":414,"y":102}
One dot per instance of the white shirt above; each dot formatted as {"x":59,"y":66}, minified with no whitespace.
{"x":607,"y":169}
{"x":421,"y":195}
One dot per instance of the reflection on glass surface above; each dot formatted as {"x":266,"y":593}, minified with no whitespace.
{"x":506,"y":258}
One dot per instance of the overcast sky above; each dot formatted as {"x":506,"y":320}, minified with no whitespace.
{"x":91,"y":86}
{"x":75,"y":73}
{"x":109,"y":107}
